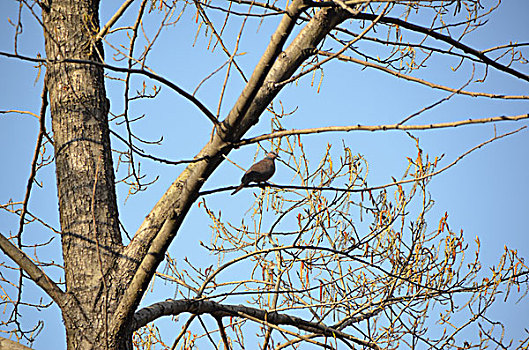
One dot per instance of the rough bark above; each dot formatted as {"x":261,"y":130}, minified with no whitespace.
{"x":85,"y":176}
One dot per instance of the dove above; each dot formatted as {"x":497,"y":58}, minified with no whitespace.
{"x":259,"y":172}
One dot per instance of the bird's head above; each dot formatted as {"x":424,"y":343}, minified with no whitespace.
{"x":272,"y":155}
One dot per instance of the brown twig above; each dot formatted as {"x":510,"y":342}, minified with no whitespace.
{"x":126,"y":93}
{"x":31,"y":179}
{"x":223,"y":333}
{"x":29,"y":213}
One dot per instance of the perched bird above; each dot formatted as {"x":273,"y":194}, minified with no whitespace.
{"x":259,"y":172}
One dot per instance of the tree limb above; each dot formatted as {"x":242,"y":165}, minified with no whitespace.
{"x":447,"y":39}
{"x":147,"y":73}
{"x":113,"y":20}
{"x":223,"y":335}
{"x":265,"y":64}
{"x":385,"y":127}
{"x":217,"y":310}
{"x":35,"y":273}
{"x":6,"y":344}
{"x":421,"y":81}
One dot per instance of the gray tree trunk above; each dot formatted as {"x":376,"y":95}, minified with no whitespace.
{"x":85,"y":177}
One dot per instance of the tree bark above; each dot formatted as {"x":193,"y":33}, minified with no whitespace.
{"x":85,"y":177}
{"x":6,"y":344}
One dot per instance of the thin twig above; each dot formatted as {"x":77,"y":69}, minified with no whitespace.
{"x":31,"y":179}
{"x":147,"y":73}
{"x":223,"y":333}
{"x":207,"y":332}
{"x":183,"y":331}
{"x":368,"y":189}
{"x":126,"y":93}
{"x":447,"y":39}
{"x":423,"y":82}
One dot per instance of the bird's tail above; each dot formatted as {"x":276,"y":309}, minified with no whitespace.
{"x":238,"y":189}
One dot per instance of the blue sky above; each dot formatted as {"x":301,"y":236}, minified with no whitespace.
{"x":486,"y":194}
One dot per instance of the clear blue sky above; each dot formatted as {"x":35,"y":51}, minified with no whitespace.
{"x":486,"y":194}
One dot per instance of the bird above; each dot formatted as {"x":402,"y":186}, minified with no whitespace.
{"x":259,"y":172}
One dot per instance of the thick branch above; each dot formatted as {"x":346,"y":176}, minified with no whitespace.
{"x":6,"y":344}
{"x":239,"y":110}
{"x":34,"y":272}
{"x":334,"y":55}
{"x":198,"y":307}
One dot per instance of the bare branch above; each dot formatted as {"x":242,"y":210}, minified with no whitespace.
{"x":378,"y":128}
{"x":262,"y":69}
{"x":113,"y":20}
{"x":371,"y":188}
{"x":198,"y":307}
{"x":147,"y":73}
{"x":42,"y":131}
{"x":334,"y":55}
{"x":35,"y":273}
{"x":424,"y":82}
{"x":161,"y":224}
{"x":223,"y":333}
{"x":449,"y":40}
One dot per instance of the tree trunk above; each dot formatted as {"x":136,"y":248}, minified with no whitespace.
{"x":92,"y":248}
{"x":85,"y":177}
